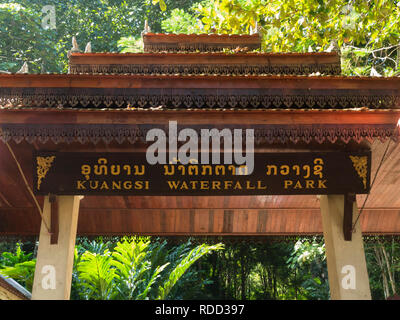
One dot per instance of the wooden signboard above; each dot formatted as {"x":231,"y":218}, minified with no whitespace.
{"x":73,"y":173}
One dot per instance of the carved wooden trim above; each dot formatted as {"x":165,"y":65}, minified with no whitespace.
{"x":201,"y":69}
{"x":197,"y":98}
{"x":270,"y":134}
{"x":157,"y":42}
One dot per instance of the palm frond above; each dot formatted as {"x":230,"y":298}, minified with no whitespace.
{"x":183,"y":265}
{"x":97,"y":274}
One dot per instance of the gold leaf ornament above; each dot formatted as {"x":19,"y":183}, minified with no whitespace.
{"x":43,"y":166}
{"x":360,"y":164}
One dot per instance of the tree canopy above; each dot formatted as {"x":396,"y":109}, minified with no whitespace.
{"x":366,"y":32}
{"x":102,"y":22}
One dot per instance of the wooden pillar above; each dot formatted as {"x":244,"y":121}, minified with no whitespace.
{"x":347,"y":268}
{"x":55,"y":256}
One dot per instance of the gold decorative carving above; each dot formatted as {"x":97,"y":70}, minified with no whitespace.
{"x":43,"y":166}
{"x":361,"y":166}
{"x":200,"y":69}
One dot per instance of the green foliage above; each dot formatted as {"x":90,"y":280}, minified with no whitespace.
{"x":102,"y":22}
{"x":95,"y":246}
{"x":366,"y":32}
{"x":267,"y":271}
{"x":306,"y":252}
{"x":130,"y":269}
{"x":130,"y":44}
{"x":19,"y":266}
{"x":9,"y":259}
{"x":184,"y":264}
{"x":20,"y":27}
{"x":309,"y":261}
{"x":162,"y":4}
{"x":96,"y":276}
{"x":383,"y":264}
{"x":249,"y":271}
{"x":301,"y":24}
{"x":133,"y":268}
{"x":22,"y":273}
{"x":180,"y":22}
{"x":136,"y":269}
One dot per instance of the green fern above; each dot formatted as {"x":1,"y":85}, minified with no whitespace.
{"x":136,"y":269}
{"x":183,"y":265}
{"x":97,"y":275}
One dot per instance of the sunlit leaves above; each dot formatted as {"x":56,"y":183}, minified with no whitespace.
{"x":19,"y":266}
{"x":162,"y":4}
{"x":135,"y":269}
{"x":296,"y":21}
{"x":180,"y":22}
{"x":315,"y":25}
{"x":96,"y":275}
{"x":195,"y":254}
{"x":130,"y":44}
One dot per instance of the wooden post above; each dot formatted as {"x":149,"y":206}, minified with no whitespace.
{"x":347,"y":268}
{"x":53,"y":272}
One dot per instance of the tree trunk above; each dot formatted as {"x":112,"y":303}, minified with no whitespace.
{"x":295,"y":285}
{"x":274,"y":281}
{"x":264,"y":280}
{"x":271,"y":281}
{"x":392,"y":283}
{"x":243,"y":274}
{"x":378,"y":258}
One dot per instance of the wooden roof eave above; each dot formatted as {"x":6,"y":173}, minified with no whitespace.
{"x":310,"y":82}
{"x":201,"y":42}
{"x":306,"y":108}
{"x":208,"y":63}
{"x":293,"y":126}
{"x":196,"y":92}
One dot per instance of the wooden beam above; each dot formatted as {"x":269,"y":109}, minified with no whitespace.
{"x":179,"y":58}
{"x":53,"y":272}
{"x":193,"y":117}
{"x":54,"y":219}
{"x":349,"y":200}
{"x":347,"y":268}
{"x":289,"y":82}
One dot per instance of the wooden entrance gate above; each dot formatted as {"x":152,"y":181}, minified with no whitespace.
{"x":109,"y":102}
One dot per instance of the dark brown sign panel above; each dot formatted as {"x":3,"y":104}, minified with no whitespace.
{"x":73,"y":173}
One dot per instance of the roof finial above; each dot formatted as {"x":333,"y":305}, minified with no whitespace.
{"x":24,"y":68}
{"x":333,"y":47}
{"x":88,"y":48}
{"x":75,"y":47}
{"x":255,"y":29}
{"x":146,"y":27}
